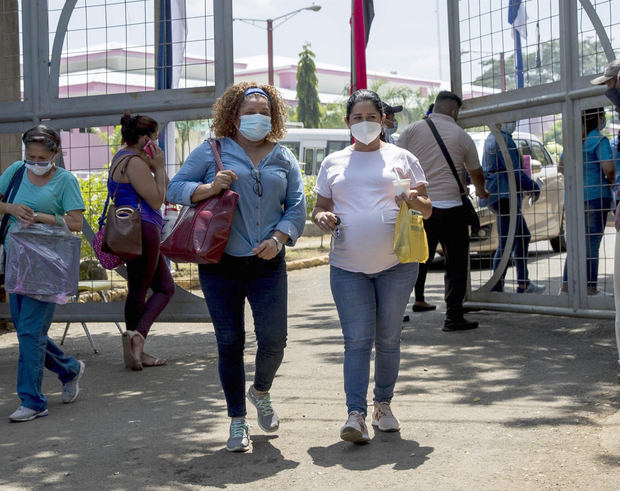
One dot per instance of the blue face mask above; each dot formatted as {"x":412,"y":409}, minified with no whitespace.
{"x":603,"y":124}
{"x":391,"y":131}
{"x":613,"y":95}
{"x":38,"y":168}
{"x":255,"y":127}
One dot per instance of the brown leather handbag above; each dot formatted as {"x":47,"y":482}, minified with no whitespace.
{"x":122,"y":232}
{"x":201,"y":232}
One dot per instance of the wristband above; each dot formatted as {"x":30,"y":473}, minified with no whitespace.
{"x":59,"y":220}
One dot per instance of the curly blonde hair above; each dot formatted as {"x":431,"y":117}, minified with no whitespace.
{"x":226,"y":109}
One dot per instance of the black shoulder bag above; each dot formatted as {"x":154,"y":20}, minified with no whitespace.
{"x":8,"y":197}
{"x":471,"y":216}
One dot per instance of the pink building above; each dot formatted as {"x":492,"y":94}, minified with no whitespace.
{"x":113,"y":69}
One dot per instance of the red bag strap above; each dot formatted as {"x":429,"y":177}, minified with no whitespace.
{"x":216,"y":149}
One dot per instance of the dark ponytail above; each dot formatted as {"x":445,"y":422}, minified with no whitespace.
{"x":133,"y":127}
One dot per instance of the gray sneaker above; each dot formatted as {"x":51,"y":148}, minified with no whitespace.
{"x":383,"y":417}
{"x":239,"y":439}
{"x":71,"y":389}
{"x":24,"y":413}
{"x":355,"y":429}
{"x":267,"y":417}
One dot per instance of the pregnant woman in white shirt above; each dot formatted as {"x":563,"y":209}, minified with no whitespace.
{"x":370,"y":286}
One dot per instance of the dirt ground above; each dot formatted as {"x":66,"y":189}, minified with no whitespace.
{"x":523,"y":402}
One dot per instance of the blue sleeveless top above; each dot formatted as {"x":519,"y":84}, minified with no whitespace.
{"x":127,"y":195}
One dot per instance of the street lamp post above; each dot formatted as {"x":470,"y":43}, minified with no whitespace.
{"x":271,"y":27}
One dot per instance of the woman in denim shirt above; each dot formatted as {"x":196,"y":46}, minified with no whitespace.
{"x":248,"y":120}
{"x":496,"y":179}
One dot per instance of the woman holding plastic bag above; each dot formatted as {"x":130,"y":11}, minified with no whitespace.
{"x":359,"y":196}
{"x":41,"y":194}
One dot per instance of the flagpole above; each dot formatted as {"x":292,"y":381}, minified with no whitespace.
{"x":353,"y":87}
{"x":359,"y":37}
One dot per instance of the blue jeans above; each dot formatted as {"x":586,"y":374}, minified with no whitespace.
{"x":520,"y":245}
{"x":371,"y":308}
{"x":596,"y":211}
{"x":226,"y":285}
{"x":32,"y":320}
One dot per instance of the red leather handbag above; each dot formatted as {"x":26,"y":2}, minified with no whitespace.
{"x":201,"y":232}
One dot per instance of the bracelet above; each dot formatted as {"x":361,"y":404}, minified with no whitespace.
{"x":278,"y":243}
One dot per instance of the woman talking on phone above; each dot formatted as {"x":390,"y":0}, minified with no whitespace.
{"x":138,"y":177}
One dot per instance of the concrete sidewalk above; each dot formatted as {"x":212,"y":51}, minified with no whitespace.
{"x":523,"y":402}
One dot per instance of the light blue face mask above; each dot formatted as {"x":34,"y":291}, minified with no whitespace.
{"x":392,"y":130}
{"x":255,"y":127}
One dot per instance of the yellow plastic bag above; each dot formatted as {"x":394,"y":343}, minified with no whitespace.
{"x":410,"y":244}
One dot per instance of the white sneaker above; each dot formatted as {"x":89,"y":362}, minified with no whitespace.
{"x":383,"y":418}
{"x":71,"y":389}
{"x":532,"y":288}
{"x":23,"y":413}
{"x":239,"y":438}
{"x":267,"y":417}
{"x":355,"y":429}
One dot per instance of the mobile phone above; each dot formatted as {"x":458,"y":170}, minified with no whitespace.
{"x":149,"y":148}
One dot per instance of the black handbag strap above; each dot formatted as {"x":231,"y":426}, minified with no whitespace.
{"x":116,"y":164}
{"x":8,"y":197}
{"x":446,"y":154}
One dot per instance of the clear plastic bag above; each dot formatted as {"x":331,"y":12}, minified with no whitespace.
{"x":42,"y":262}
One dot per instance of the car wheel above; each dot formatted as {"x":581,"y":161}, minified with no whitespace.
{"x":558,"y":244}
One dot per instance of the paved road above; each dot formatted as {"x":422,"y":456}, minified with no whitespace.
{"x":524,"y":402}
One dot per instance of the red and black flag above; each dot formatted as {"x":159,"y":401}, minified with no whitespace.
{"x":362,"y":13}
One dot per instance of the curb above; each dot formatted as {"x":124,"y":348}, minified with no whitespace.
{"x":306,"y":263}
{"x":119,"y":293}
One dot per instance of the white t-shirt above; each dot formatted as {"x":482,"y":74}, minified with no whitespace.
{"x":360,"y":185}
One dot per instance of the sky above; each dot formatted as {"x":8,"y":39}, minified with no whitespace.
{"x":407,"y":37}
{"x":403,"y":36}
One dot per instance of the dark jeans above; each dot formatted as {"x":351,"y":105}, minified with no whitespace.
{"x":449,"y":228}
{"x":147,"y":271}
{"x":596,"y":211}
{"x":520,"y":245}
{"x":226,"y":285}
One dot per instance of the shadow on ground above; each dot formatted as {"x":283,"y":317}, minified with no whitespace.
{"x":165,"y":427}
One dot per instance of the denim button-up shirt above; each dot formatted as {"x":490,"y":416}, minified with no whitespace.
{"x":496,"y":172}
{"x":282,"y":205}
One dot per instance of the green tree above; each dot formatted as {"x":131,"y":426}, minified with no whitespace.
{"x":310,"y":192}
{"x":308,"y":108}
{"x":94,"y":191}
{"x":332,"y":115}
{"x":592,"y":61}
{"x":184,"y":130}
{"x":415,"y":104}
{"x":113,"y":140}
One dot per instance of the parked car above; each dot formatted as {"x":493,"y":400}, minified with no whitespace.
{"x":545,"y":217}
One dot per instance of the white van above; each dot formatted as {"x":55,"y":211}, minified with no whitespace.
{"x":311,"y":146}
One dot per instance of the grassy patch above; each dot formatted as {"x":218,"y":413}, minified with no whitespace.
{"x":295,"y":253}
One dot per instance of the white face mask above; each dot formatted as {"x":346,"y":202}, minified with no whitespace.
{"x":366,"y":132}
{"x":38,"y":168}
